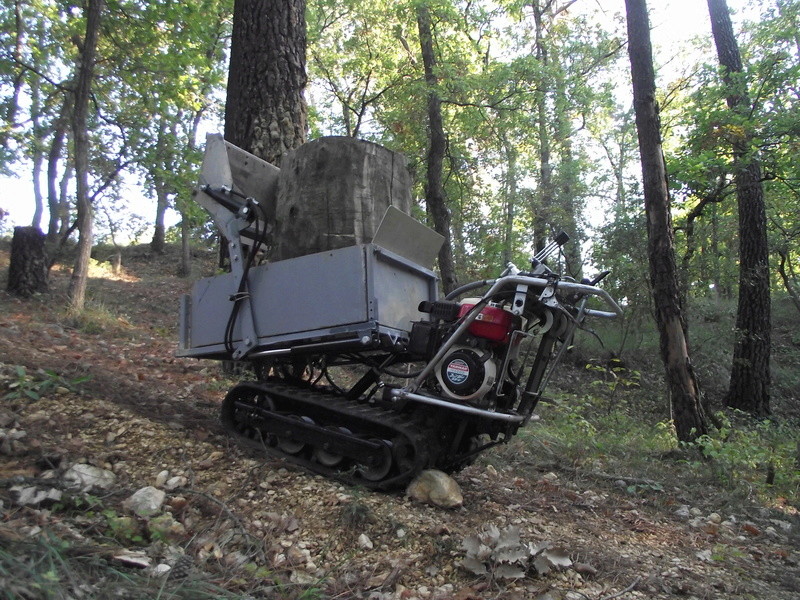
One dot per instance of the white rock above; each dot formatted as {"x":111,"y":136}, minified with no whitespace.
{"x":34,"y":496}
{"x":550,"y":477}
{"x":161,"y":478}
{"x":784,"y":526}
{"x":132,"y":559}
{"x":175,"y":482}
{"x":436,"y":488}
{"x":302,"y":578}
{"x":715,"y":518}
{"x":697,"y":522}
{"x":683,"y":512}
{"x":160,"y":569}
{"x":87,"y":477}
{"x":364,"y":542}
{"x":146,"y":501}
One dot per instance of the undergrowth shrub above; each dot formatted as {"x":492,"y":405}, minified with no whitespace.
{"x":746,"y":459}
{"x":763,"y":457}
{"x":97,"y":318}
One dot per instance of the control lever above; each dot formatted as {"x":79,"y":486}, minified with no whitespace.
{"x":597,"y":279}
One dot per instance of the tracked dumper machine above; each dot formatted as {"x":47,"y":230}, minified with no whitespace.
{"x":360,"y":371}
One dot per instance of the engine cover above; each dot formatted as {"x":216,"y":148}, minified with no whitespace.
{"x":466,"y":373}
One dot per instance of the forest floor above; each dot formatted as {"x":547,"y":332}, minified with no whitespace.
{"x":106,"y":390}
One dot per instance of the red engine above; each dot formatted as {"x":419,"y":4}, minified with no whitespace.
{"x":470,"y":368}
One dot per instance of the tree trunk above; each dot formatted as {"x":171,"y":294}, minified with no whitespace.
{"x":185,"y":267}
{"x":545,"y":198}
{"x":27,"y":271}
{"x":265,"y":112}
{"x":435,"y":199}
{"x":687,"y":411}
{"x":12,"y":105}
{"x":158,"y":243}
{"x":511,"y":200}
{"x":794,"y":295}
{"x":568,"y":194}
{"x":749,"y":388}
{"x":38,"y":155}
{"x":80,"y":271}
{"x":53,"y":157}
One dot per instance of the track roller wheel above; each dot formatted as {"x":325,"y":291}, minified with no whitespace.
{"x":289,"y":445}
{"x":379,"y":469}
{"x":326,"y":458}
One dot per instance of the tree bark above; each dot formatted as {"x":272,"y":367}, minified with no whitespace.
{"x":333,"y":193}
{"x":158,"y":243}
{"x":794,"y":295}
{"x":687,"y":411}
{"x":435,"y":199}
{"x":185,"y":266}
{"x":54,"y":203}
{"x":12,"y":106}
{"x":545,"y":197}
{"x":27,"y":271}
{"x":80,"y":271}
{"x":749,"y":388}
{"x":511,"y":192}
{"x":265,"y":111}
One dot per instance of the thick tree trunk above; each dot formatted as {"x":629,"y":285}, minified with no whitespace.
{"x":435,"y":199}
{"x":265,"y":111}
{"x":687,"y":411}
{"x":80,"y":271}
{"x":27,"y":271}
{"x":749,"y":388}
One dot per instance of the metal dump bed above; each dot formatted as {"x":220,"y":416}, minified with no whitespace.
{"x":358,"y":298}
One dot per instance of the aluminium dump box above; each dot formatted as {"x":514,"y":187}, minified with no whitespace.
{"x":356,"y":298}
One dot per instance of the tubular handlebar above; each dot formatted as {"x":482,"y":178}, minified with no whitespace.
{"x":583,"y":289}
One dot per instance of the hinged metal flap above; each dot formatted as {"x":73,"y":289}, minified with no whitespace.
{"x":404,"y":235}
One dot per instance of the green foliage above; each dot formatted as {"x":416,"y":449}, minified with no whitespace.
{"x":98,"y":319}
{"x":356,"y":513}
{"x":613,"y":377}
{"x":159,"y":71}
{"x":744,"y":459}
{"x":761,"y":456}
{"x":26,"y":386}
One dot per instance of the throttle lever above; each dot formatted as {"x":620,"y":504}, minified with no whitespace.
{"x":597,"y":279}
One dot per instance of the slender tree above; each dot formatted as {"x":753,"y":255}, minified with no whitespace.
{"x":83,"y":86}
{"x":687,"y":411}
{"x":265,"y":110}
{"x":749,"y":387}
{"x":435,"y":199}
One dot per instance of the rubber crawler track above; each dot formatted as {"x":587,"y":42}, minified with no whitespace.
{"x":251,"y":413}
